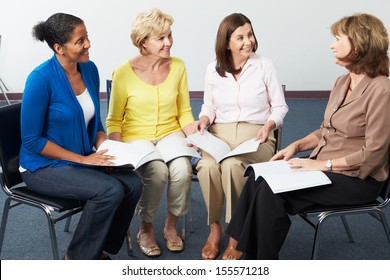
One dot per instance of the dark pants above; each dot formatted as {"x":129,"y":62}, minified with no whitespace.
{"x":110,"y":203}
{"x":260,"y":222}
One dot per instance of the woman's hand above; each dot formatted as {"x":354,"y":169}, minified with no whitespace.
{"x":264,"y":131}
{"x":98,"y":158}
{"x":190,"y":128}
{"x":286,"y":153}
{"x":203,"y":123}
{"x":306,"y":164}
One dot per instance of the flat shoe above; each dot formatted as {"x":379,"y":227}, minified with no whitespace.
{"x":231,"y":254}
{"x":174,"y":246}
{"x":153,"y":251}
{"x":210,"y":249}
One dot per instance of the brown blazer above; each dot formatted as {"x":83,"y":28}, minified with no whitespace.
{"x":357,"y":127}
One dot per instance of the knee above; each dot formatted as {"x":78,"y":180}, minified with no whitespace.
{"x":112,"y":193}
{"x":208,"y":166}
{"x":155,"y":174}
{"x":231,"y":164}
{"x":180,"y":169}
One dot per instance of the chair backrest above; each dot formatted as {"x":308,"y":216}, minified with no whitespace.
{"x":10,"y":142}
{"x":108,"y":92}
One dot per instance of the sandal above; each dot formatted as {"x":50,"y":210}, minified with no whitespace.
{"x":210,"y":249}
{"x":232,"y":253}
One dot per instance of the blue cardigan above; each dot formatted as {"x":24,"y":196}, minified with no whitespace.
{"x":51,"y":111}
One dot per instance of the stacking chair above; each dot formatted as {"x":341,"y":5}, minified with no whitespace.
{"x":17,"y":192}
{"x":316,"y":216}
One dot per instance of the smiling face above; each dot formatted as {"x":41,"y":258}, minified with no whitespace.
{"x":76,"y":49}
{"x":161,"y":45}
{"x":241,"y":42}
{"x":341,"y":48}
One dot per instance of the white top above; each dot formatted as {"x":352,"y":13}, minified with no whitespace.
{"x":86,"y":104}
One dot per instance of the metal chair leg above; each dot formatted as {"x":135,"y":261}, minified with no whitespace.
{"x":347,"y":229}
{"x":67,"y":224}
{"x":129,"y":244}
{"x":53,"y":237}
{"x":4,"y":222}
{"x":385,"y":224}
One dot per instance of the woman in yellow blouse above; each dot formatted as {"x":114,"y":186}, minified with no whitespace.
{"x":150,"y":100}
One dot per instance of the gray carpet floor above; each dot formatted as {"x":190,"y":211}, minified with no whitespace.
{"x":27,"y":235}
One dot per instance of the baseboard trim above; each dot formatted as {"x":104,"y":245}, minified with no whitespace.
{"x":198,"y":95}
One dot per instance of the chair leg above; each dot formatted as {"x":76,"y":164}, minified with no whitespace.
{"x":128,"y":244}
{"x":53,"y":236}
{"x":317,"y":236}
{"x":314,"y":252}
{"x":385,"y":224}
{"x":4,"y":222}
{"x":187,"y":219}
{"x":347,"y":229}
{"x":67,"y":224}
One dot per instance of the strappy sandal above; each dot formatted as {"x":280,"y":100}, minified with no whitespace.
{"x":232,"y":253}
{"x":210,"y":249}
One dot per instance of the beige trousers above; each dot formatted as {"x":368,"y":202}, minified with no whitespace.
{"x":176,"y":175}
{"x":225,"y":181}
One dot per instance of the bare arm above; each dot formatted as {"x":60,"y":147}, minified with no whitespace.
{"x":307,"y":143}
{"x":117,"y":136}
{"x":54,"y":151}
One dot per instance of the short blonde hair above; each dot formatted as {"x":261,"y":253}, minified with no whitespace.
{"x":153,"y":23}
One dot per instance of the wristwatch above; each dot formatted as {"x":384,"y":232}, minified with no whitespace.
{"x":329,"y":165}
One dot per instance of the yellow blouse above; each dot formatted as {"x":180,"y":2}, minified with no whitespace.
{"x":141,"y":111}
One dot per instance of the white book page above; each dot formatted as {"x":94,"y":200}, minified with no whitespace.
{"x":173,"y":146}
{"x":211,"y":144}
{"x":219,"y":149}
{"x":281,"y":178}
{"x":127,"y":153}
{"x":248,"y":146}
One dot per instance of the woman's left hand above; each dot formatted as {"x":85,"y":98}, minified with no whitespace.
{"x":263,"y":133}
{"x":306,"y":164}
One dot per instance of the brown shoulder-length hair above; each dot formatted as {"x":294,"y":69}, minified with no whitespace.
{"x":369,"y":44}
{"x":223,"y":55}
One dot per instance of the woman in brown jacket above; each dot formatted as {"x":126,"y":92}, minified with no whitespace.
{"x":351,"y":146}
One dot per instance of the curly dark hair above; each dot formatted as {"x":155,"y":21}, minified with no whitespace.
{"x":57,"y":29}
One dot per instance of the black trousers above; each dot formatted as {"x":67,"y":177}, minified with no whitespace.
{"x":260,"y":222}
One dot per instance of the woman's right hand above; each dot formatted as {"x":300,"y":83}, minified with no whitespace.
{"x":286,"y":153}
{"x":99,"y":158}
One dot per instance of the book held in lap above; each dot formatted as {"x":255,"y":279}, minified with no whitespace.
{"x":282,"y":178}
{"x":137,"y":152}
{"x":219,"y":149}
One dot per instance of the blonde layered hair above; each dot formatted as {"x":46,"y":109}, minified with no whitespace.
{"x":369,"y":41}
{"x":145,"y":25}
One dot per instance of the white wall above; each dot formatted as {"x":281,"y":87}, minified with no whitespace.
{"x":294,"y":33}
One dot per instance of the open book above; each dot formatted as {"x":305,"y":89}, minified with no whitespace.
{"x":138,"y":152}
{"x":282,"y":178}
{"x":219,"y":149}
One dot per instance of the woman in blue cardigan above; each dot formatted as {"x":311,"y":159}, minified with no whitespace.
{"x":61,"y":126}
